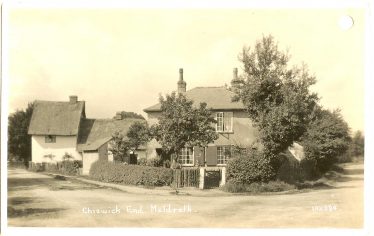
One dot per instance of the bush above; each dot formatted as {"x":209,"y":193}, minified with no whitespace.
{"x":66,"y":167}
{"x":142,"y":161}
{"x":155,"y":162}
{"x":36,"y":167}
{"x":249,"y":168}
{"x":272,"y":186}
{"x":70,"y":167}
{"x":130,"y":174}
{"x":17,"y":164}
{"x":290,"y":170}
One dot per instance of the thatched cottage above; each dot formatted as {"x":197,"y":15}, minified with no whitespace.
{"x":59,"y":128}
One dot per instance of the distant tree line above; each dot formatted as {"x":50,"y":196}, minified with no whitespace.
{"x":130,"y":114}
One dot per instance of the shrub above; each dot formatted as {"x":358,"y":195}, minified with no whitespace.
{"x":66,"y":167}
{"x":249,"y":168}
{"x":155,"y":162}
{"x":70,"y":167}
{"x":142,"y":161}
{"x":52,"y":167}
{"x":290,"y":170}
{"x":234,"y":187}
{"x":272,"y":186}
{"x":17,"y":164}
{"x":130,"y":174}
{"x":36,"y":167}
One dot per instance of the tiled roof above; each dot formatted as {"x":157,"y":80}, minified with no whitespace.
{"x":56,"y":118}
{"x":217,"y":98}
{"x":96,"y":132}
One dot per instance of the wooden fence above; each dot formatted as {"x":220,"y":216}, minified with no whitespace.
{"x":186,"y":177}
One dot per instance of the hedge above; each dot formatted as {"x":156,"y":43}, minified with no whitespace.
{"x":249,"y":168}
{"x":67,"y":167}
{"x":271,"y":186}
{"x":130,"y":174}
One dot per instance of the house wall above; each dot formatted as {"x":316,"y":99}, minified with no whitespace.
{"x":244,"y":134}
{"x":88,"y":159}
{"x":142,"y":154}
{"x":63,"y":144}
{"x":103,"y":152}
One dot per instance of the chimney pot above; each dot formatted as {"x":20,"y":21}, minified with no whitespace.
{"x":73,"y":99}
{"x":180,"y":74}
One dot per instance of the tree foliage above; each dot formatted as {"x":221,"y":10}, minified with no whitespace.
{"x":357,"y":147}
{"x":327,"y":137}
{"x":19,"y":142}
{"x":137,"y":135}
{"x":130,"y":114}
{"x":181,"y":124}
{"x":276,"y":96}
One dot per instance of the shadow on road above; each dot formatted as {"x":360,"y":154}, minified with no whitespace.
{"x":26,"y":183}
{"x":12,"y":212}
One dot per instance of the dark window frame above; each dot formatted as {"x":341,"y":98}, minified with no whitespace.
{"x":50,"y":139}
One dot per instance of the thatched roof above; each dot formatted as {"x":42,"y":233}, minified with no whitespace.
{"x":56,"y":118}
{"x":217,"y":98}
{"x":96,"y":132}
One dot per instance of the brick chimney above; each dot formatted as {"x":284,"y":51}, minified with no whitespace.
{"x":73,"y":99}
{"x":181,"y":84}
{"x":235,"y":74}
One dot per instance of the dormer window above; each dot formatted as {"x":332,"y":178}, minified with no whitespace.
{"x":224,"y":122}
{"x":50,"y":138}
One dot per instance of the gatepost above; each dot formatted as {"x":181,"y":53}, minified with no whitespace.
{"x":223,"y":177}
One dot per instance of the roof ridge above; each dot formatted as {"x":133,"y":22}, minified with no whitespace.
{"x":47,"y":101}
{"x":208,"y":87}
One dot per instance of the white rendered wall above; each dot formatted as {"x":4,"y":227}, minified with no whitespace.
{"x":63,"y":144}
{"x":88,"y":159}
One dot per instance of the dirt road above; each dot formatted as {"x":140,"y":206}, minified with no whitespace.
{"x":39,"y":200}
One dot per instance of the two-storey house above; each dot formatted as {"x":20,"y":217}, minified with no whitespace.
{"x":233,"y":125}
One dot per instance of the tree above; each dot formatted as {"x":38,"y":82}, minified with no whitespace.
{"x":276,"y":96}
{"x":181,"y":124}
{"x":137,"y":135}
{"x":119,"y":146}
{"x":126,"y":114}
{"x":357,"y":147}
{"x":327,"y":138}
{"x":19,"y":142}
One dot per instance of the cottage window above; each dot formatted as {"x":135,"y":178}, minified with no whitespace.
{"x":50,"y":138}
{"x":223,"y":154}
{"x":186,"y":156}
{"x":224,"y":121}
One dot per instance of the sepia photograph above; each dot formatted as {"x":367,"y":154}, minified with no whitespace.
{"x":184,"y":117}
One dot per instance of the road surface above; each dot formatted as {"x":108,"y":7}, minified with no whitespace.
{"x":38,"y":200}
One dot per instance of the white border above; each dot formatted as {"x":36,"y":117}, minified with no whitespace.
{"x":169,"y":4}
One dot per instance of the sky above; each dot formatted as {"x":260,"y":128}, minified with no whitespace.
{"x":122,"y":59}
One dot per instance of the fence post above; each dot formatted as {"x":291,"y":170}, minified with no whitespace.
{"x":201,"y":178}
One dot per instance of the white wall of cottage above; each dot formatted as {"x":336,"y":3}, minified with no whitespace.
{"x":63,"y":144}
